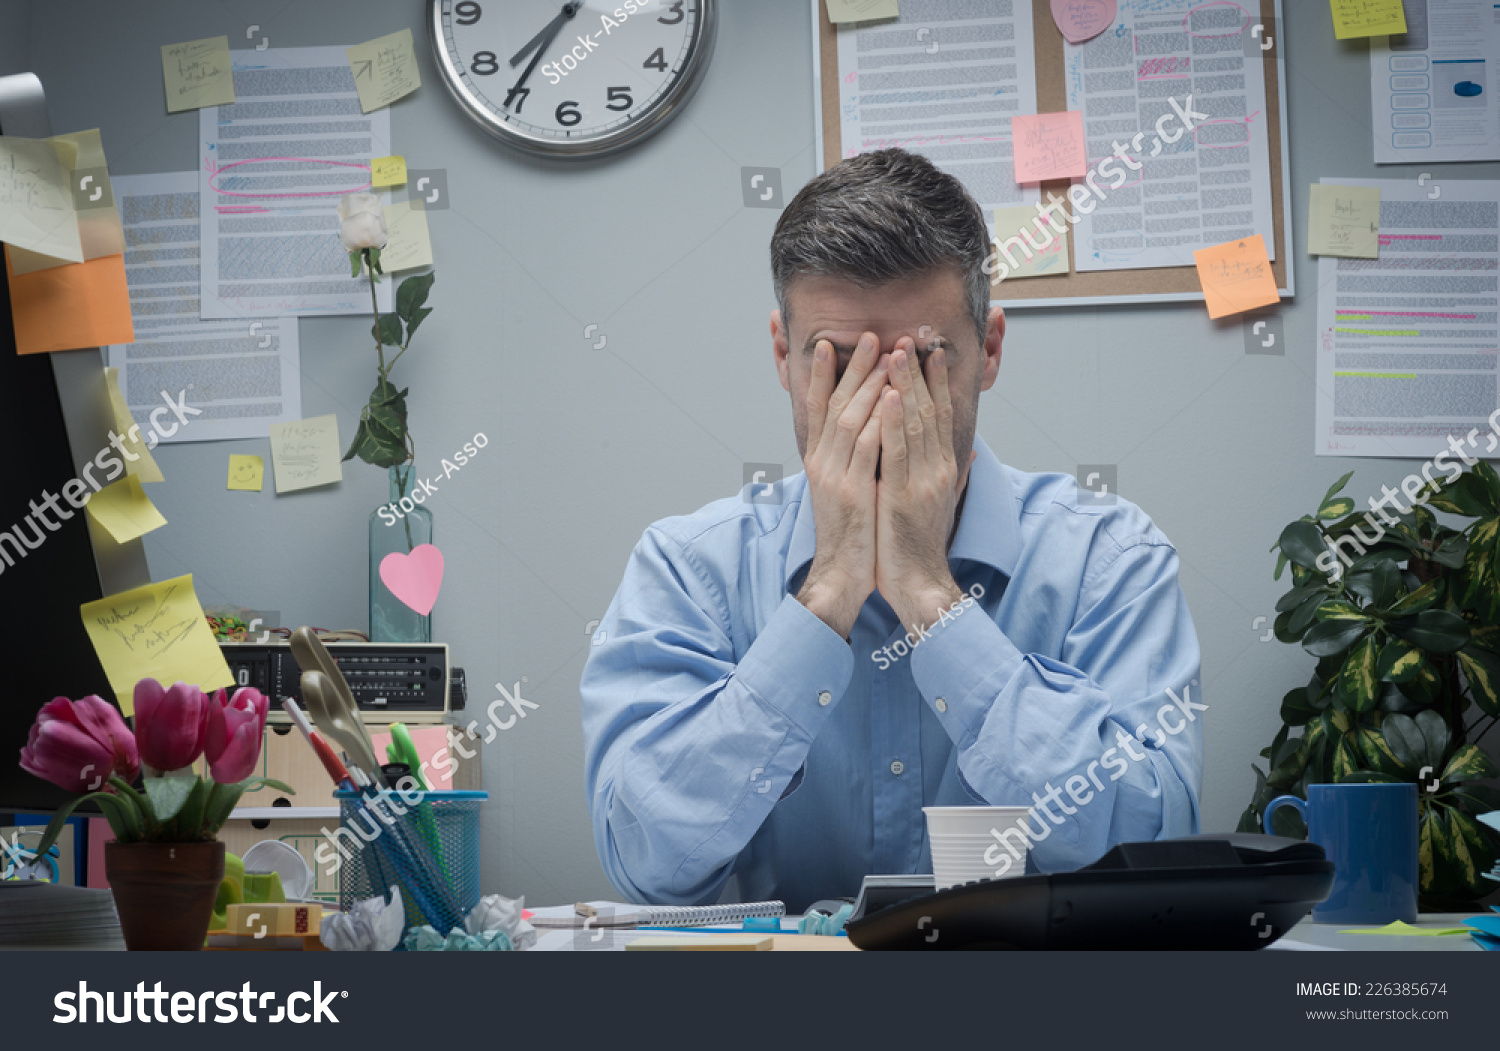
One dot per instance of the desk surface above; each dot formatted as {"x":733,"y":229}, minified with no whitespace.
{"x":1322,"y":937}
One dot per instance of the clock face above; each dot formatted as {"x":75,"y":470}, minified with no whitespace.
{"x":571,"y":79}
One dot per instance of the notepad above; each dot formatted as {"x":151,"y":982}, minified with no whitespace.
{"x":618,"y":914}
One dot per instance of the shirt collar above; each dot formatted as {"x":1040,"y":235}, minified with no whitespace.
{"x":989,"y":531}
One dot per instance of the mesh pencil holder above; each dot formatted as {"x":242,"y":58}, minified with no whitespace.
{"x":426,"y":843}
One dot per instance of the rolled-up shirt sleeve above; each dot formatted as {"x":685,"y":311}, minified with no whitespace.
{"x":1109,"y":738}
{"x":688,"y":744}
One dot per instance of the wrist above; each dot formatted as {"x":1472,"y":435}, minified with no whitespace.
{"x":830,"y":602}
{"x":922,"y":606}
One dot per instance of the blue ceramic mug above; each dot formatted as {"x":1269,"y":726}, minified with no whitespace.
{"x":1369,"y":832}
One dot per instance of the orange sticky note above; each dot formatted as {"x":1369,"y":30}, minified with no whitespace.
{"x":1049,"y":146}
{"x":68,"y":307}
{"x":1236,"y":276}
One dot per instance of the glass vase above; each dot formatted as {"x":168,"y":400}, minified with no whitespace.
{"x":398,"y":525}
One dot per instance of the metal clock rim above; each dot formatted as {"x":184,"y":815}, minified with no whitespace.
{"x":706,"y":32}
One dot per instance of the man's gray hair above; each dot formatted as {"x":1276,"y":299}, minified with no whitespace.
{"x":880,"y":216}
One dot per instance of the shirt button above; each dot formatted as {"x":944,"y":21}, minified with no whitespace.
{"x":941,"y":705}
{"x":825,"y":698}
{"x":897,"y":766}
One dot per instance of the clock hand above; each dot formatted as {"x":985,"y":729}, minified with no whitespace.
{"x":548,"y":31}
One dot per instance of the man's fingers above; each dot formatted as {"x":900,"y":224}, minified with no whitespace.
{"x":926,"y":411}
{"x":861,"y":362}
{"x":942,"y":401}
{"x":867,"y":447}
{"x":854,"y":417}
{"x":893,"y":452}
{"x":905,"y":374}
{"x":819,"y":388}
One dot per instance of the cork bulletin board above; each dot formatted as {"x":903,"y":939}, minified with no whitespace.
{"x":1162,"y":284}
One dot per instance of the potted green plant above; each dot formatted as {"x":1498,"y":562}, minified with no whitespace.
{"x":165,"y":863}
{"x":1402,"y":613}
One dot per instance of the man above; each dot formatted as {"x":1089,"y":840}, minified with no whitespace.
{"x":782,"y":687}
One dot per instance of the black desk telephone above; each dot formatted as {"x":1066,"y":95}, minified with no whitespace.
{"x":1235,"y":891}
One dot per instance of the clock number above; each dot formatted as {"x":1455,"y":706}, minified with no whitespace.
{"x":484,"y":63}
{"x":676,"y":9}
{"x":517,"y":93}
{"x":468,"y":12}
{"x":622,"y":96}
{"x":655,"y":60}
{"x":567,"y":114}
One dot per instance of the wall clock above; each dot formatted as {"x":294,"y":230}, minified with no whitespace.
{"x":574,"y":79}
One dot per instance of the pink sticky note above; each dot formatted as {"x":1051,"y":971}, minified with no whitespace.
{"x":1049,"y":146}
{"x":429,"y":741}
{"x":1081,"y":19}
{"x":415,"y":578}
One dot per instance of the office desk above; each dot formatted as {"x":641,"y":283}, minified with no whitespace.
{"x":1316,"y":937}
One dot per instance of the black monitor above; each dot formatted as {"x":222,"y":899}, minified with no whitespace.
{"x":55,"y":411}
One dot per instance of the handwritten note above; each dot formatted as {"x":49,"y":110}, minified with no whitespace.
{"x":1080,"y":20}
{"x":407,"y":244}
{"x":100,"y":233}
{"x":246,"y":473}
{"x":1344,"y":221}
{"x":197,"y":73}
{"x":154,"y":632}
{"x":305,"y":453}
{"x":840,"y":11}
{"x":132,"y":448}
{"x":388,"y":171}
{"x":1049,"y":146}
{"x":384,"y":69}
{"x":1027,"y":249}
{"x":1236,"y":276}
{"x":1359,"y":18}
{"x":124,"y":510}
{"x":36,"y":202}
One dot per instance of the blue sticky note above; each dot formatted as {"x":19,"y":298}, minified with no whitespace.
{"x":1487,"y":942}
{"x":1488,"y":924}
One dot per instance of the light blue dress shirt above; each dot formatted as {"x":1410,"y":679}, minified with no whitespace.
{"x":736,"y":748}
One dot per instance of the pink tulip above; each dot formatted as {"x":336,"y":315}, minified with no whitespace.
{"x":170,"y":724}
{"x":235,"y":729}
{"x":78,"y":745}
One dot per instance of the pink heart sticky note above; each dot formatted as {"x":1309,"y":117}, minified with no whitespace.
{"x":416,"y":578}
{"x":1081,"y":19}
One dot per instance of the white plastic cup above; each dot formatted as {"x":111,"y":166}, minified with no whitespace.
{"x":966,"y":844}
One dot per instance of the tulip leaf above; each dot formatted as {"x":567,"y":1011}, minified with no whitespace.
{"x":1303,"y":543}
{"x":1482,"y":669}
{"x":1469,"y":763}
{"x":221,"y":800}
{"x":1435,"y":630}
{"x":189,"y":819}
{"x":1358,"y":678}
{"x":168,"y":795}
{"x":124,"y":820}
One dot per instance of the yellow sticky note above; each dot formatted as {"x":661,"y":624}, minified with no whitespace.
{"x":1048,"y":146}
{"x":1236,"y":276}
{"x":154,"y":632}
{"x":384,"y":69}
{"x":246,"y":473}
{"x":36,"y":201}
{"x":1344,"y":221}
{"x":1400,"y":927}
{"x":388,"y":171}
{"x":703,"y":943}
{"x":860,"y":10}
{"x":100,"y":233}
{"x":132,"y":448}
{"x":124,"y":509}
{"x":1357,"y":18}
{"x":1030,"y":244}
{"x":197,"y":73}
{"x":305,"y":453}
{"x":407,"y":244}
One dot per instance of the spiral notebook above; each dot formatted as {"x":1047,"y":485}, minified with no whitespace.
{"x":620,"y":914}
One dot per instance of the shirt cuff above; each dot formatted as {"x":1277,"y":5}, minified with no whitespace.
{"x":960,"y":667}
{"x":798,"y":665}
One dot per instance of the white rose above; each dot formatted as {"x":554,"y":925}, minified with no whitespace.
{"x":361,"y":222}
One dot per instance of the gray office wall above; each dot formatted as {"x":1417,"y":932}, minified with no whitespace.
{"x":587,"y":447}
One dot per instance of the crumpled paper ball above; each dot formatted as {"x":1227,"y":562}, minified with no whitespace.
{"x":496,"y":912}
{"x":427,"y":939}
{"x":371,"y":925}
{"x":822,"y":923}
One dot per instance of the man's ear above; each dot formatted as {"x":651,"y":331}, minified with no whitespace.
{"x":994,"y":335}
{"x":779,"y":349}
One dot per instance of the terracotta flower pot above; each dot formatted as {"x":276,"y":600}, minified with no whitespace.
{"x":164,"y":892}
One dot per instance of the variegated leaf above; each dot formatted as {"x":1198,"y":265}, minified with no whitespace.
{"x":1359,"y":680}
{"x":1398,"y":661}
{"x":1483,"y":673}
{"x":1469,"y":763}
